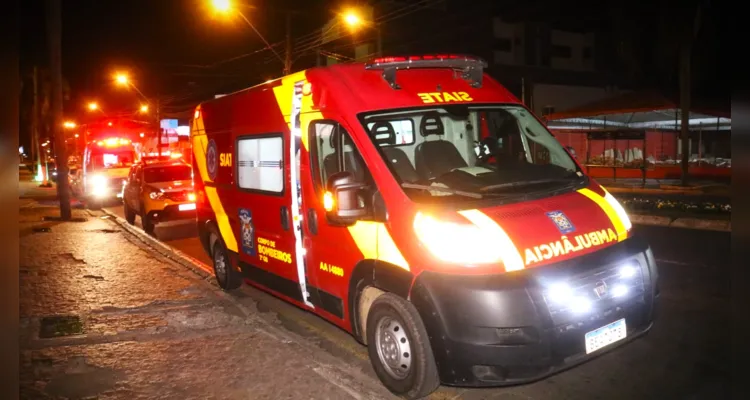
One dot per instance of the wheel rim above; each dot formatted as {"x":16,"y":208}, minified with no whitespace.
{"x":394,"y":349}
{"x":220,"y":263}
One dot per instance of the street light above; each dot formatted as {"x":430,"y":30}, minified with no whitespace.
{"x":225,"y":6}
{"x":353,"y":19}
{"x":221,"y":5}
{"x":69,"y":124}
{"x":122,"y":79}
{"x":93,"y":106}
{"x":144,"y":108}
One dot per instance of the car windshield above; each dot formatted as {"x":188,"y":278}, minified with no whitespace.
{"x":167,"y":174}
{"x":460,"y":152}
{"x":113,"y":159}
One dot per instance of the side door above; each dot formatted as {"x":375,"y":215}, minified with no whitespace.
{"x":266,"y":241}
{"x":332,"y":251}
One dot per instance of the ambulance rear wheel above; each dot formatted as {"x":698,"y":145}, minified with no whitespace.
{"x":399,"y":348}
{"x":226,"y":276}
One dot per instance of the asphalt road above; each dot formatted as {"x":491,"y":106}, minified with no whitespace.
{"x":685,"y":356}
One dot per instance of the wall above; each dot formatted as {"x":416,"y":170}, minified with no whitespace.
{"x":572,"y":51}
{"x":509,"y":42}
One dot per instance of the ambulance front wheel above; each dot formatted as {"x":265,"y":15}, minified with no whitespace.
{"x":399,"y":348}
{"x":226,"y":276}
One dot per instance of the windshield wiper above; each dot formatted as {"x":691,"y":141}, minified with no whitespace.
{"x":441,"y":189}
{"x":521,"y":183}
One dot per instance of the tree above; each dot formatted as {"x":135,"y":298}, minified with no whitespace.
{"x":56,"y":105}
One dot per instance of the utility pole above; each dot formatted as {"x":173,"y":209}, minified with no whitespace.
{"x":158,"y":130}
{"x":35,"y":150}
{"x":288,"y":55}
{"x":686,"y":50}
{"x":54,"y":28}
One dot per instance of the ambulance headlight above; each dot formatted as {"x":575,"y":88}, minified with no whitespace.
{"x":456,"y":243}
{"x":98,"y":181}
{"x":628,"y":271}
{"x":619,"y":210}
{"x":559,"y":293}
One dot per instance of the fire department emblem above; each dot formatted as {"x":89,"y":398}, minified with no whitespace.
{"x":247,"y":231}
{"x":561,"y":221}
{"x":212,"y":160}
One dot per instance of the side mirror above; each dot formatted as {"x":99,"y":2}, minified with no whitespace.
{"x":345,"y":199}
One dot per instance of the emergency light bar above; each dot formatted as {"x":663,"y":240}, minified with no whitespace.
{"x":472,"y":68}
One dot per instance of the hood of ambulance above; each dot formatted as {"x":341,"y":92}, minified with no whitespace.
{"x":113,"y":172}
{"x":558,"y":228}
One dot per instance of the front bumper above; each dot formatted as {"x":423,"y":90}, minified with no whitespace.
{"x":501,"y":330}
{"x":170,"y":213}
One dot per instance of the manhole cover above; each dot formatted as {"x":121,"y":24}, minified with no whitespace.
{"x":61,"y":325}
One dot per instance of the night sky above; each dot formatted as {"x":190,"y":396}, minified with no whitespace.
{"x":167,"y":46}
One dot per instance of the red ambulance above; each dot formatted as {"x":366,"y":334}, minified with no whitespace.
{"x":416,"y":203}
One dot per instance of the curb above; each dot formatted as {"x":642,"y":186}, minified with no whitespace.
{"x":352,"y":381}
{"x":197,"y":266}
{"x":689,"y":223}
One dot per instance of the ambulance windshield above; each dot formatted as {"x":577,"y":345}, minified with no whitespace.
{"x":462,"y":152}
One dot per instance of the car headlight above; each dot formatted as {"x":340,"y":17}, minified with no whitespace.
{"x":98,"y":180}
{"x":456,"y":242}
{"x":619,"y":210}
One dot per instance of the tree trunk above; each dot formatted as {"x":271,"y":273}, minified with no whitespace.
{"x":54,"y":28}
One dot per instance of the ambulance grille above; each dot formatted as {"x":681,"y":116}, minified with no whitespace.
{"x":522,"y":212}
{"x":603,"y":289}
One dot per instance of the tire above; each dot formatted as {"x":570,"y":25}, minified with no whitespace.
{"x":397,"y":336}
{"x":148,"y":224}
{"x":129,"y":213}
{"x":226,"y":276}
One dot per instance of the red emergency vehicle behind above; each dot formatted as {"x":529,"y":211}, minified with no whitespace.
{"x":416,"y":203}
{"x":109,"y":153}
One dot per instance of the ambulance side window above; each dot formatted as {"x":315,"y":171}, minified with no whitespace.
{"x":333,"y":151}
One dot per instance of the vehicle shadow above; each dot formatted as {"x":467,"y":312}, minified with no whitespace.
{"x":176,"y":231}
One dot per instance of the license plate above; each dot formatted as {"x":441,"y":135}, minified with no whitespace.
{"x":186,"y":207}
{"x":605,"y":335}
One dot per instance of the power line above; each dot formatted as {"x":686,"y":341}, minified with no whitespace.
{"x":310,"y":39}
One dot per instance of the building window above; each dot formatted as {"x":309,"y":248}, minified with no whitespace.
{"x":503,"y":44}
{"x":587,"y":53}
{"x":560,"y":51}
{"x":260,"y":163}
